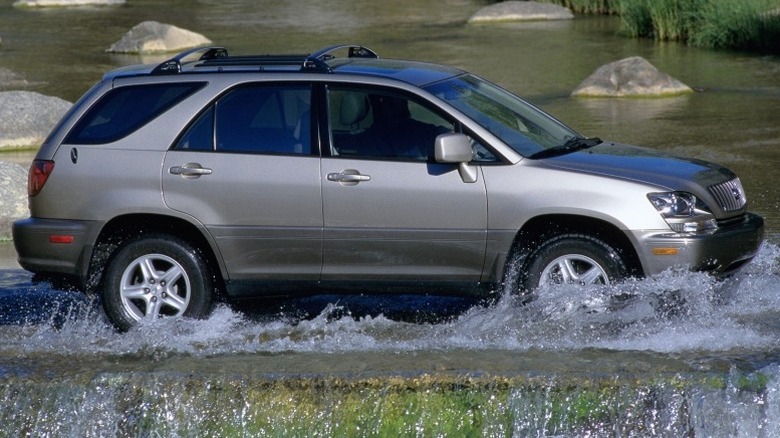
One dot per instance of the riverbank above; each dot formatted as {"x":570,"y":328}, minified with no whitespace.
{"x":718,"y":24}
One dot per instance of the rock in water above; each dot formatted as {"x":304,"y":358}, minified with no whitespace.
{"x":154,"y":37}
{"x":633,"y":76}
{"x":26,"y":117}
{"x":13,"y":196}
{"x":520,"y":11}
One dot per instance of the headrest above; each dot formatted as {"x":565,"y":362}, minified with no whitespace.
{"x":354,"y":108}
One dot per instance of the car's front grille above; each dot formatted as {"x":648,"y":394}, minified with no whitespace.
{"x":729,"y":194}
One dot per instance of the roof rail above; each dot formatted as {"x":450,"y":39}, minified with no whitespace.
{"x":316,"y":60}
{"x":172,"y":66}
{"x":218,"y":57}
{"x":258,"y":61}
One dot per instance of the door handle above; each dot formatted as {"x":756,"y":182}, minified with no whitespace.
{"x":349,"y":177}
{"x":189,"y":170}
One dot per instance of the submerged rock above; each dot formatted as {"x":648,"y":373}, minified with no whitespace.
{"x":155,"y":37}
{"x":633,"y":76}
{"x":13,"y":196}
{"x":26,"y":117}
{"x":9,"y":80}
{"x":521,"y":11}
{"x":62,"y":3}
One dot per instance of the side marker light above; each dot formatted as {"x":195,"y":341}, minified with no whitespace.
{"x":665,"y":251}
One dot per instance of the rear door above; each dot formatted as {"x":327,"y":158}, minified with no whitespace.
{"x":390,"y":211}
{"x":245,"y":169}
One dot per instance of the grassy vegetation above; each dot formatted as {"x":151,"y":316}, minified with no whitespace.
{"x":720,"y":24}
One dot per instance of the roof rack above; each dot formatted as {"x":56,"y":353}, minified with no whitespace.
{"x":218,"y":57}
{"x":173,"y":66}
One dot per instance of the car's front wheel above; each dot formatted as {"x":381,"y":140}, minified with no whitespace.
{"x":572,"y":258}
{"x":156,"y":276}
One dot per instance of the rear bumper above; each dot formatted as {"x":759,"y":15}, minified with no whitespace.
{"x":721,"y":252}
{"x":54,"y":246}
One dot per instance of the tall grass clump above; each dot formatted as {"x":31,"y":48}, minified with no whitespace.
{"x":742,"y":24}
{"x":735,"y":24}
{"x":719,"y":24}
{"x":669,"y":20}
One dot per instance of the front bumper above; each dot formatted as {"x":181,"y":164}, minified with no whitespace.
{"x":55,"y":246}
{"x":721,"y":252}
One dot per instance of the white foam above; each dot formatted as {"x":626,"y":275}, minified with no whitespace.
{"x":674,"y":312}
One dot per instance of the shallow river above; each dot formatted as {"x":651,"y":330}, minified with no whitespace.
{"x":676,"y":324}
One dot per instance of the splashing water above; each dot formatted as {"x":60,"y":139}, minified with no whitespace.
{"x":680,"y":354}
{"x":676,"y":312}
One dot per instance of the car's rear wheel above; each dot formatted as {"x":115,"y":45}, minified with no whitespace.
{"x":156,"y":276}
{"x":574,"y":259}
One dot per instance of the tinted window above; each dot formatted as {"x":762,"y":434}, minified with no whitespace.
{"x":272,"y":119}
{"x":123,"y":110}
{"x":376,"y":123}
{"x":200,"y":135}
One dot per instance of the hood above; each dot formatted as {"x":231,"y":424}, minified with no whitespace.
{"x":645,"y":165}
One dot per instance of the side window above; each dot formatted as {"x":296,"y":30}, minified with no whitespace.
{"x":263,"y":119}
{"x":123,"y":110}
{"x":200,"y":135}
{"x":379,"y":124}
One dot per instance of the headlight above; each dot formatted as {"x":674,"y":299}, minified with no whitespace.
{"x":683,"y":211}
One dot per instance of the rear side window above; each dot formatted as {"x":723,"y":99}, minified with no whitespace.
{"x":123,"y":110}
{"x":255,"y":119}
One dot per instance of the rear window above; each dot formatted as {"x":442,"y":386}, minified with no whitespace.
{"x":123,"y":110}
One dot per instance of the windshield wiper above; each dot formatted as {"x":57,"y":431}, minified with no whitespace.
{"x":571,"y":145}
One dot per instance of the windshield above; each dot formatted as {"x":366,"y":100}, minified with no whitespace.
{"x":519,"y":124}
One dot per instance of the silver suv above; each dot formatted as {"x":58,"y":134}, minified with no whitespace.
{"x":208,"y":174}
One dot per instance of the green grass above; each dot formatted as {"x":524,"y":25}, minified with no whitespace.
{"x":718,"y":24}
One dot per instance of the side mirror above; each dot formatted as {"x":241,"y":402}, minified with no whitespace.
{"x":456,"y":148}
{"x":453,"y":148}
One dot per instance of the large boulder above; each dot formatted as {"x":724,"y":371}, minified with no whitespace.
{"x":26,"y":117}
{"x":13,"y":196}
{"x":63,"y":3}
{"x":154,"y":37}
{"x":634,"y":77}
{"x":520,"y":11}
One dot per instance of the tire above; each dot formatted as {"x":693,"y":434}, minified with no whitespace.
{"x":571,"y":258}
{"x":156,"y":276}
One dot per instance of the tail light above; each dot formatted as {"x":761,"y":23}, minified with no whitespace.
{"x":39,"y":173}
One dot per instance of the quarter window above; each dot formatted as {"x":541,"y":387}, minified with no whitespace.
{"x":123,"y":110}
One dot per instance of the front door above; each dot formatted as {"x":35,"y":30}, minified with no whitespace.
{"x":390,"y":211}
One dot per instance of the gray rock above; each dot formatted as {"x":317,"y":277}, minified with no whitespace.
{"x":634,"y":77}
{"x":520,"y":11}
{"x":26,"y":117}
{"x":13,"y":196}
{"x":154,"y":37}
{"x":63,"y":3}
